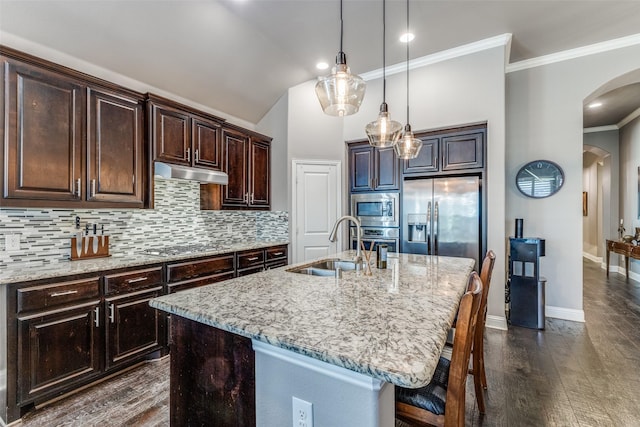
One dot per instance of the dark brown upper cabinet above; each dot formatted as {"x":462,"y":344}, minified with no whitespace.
{"x":372,"y":169}
{"x":449,"y":150}
{"x":247,"y":160}
{"x":180,"y":135}
{"x":69,"y":141}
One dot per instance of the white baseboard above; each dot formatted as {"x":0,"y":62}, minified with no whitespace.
{"x":622,"y":271}
{"x":591,"y":257}
{"x":496,"y":322}
{"x":564,"y":313}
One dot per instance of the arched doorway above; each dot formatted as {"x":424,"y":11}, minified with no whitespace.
{"x":611,"y":157}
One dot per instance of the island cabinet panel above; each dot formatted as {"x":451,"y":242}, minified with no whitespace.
{"x":115,"y":156}
{"x":372,"y":169}
{"x":58,"y":349}
{"x":212,"y":377}
{"x":44,"y":136}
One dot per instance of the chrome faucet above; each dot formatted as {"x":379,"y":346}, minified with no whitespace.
{"x":356,"y":221}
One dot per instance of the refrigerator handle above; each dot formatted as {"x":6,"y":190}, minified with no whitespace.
{"x":435,"y":229}
{"x":428,"y":226}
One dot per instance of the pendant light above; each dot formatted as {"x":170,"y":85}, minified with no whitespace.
{"x":409,"y":146}
{"x":340,"y":93}
{"x":383,"y":132}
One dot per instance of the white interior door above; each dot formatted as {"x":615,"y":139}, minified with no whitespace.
{"x":317,"y":205}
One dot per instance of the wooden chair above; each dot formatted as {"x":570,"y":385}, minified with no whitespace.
{"x":442,"y":401}
{"x":477,"y":351}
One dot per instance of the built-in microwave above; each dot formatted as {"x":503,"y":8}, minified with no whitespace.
{"x":376,"y":209}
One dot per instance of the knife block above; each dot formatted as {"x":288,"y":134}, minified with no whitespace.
{"x":86,"y":249}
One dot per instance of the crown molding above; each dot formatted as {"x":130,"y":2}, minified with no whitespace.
{"x":600,"y":129}
{"x":467,"y":49}
{"x":635,"y":114}
{"x":575,"y":53}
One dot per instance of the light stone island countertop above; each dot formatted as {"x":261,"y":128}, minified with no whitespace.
{"x":136,"y":259}
{"x":390,"y":330}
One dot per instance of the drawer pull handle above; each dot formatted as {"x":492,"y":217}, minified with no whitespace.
{"x":96,"y":320}
{"x":60,"y":294}
{"x":278,"y":253}
{"x":112,"y":314}
{"x":137,"y":279}
{"x":253,"y":258}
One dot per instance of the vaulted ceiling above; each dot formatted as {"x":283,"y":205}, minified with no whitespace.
{"x":240,"y":56}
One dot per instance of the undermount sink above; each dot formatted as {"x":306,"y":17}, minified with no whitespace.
{"x":326,"y":267}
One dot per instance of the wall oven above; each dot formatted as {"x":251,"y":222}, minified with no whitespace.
{"x":376,"y":209}
{"x":376,"y":235}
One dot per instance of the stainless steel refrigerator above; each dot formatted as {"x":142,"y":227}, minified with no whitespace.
{"x":442,"y":216}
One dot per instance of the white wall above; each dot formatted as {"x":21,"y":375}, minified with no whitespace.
{"x":462,"y":90}
{"x":544,"y":121}
{"x":629,"y":180}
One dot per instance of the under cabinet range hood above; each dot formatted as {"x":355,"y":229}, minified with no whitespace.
{"x":205,"y":176}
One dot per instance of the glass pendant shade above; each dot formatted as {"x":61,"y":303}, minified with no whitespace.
{"x":340,"y":93}
{"x":408,"y":147}
{"x":383,"y":132}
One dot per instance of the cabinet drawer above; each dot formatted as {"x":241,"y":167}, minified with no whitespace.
{"x":51,"y":295}
{"x":250,"y":258}
{"x":132,"y":280}
{"x":278,"y":252}
{"x":205,"y":267}
{"x":200,"y":281}
{"x":252,"y":270}
{"x":275,"y":264}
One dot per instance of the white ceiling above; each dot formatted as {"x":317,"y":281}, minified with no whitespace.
{"x":240,"y":56}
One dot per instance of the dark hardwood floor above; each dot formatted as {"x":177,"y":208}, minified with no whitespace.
{"x":571,"y":374}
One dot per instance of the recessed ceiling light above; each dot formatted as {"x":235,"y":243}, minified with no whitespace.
{"x":407,"y":37}
{"x":595,"y":104}
{"x":322,"y":65}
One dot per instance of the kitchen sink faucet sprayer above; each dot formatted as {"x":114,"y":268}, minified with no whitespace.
{"x":356,"y":221}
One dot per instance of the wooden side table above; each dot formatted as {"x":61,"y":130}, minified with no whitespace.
{"x":629,"y":250}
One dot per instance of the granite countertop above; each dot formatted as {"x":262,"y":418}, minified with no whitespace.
{"x":393,"y":330}
{"x":136,"y":259}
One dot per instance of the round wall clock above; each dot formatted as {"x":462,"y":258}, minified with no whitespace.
{"x":540,"y":178}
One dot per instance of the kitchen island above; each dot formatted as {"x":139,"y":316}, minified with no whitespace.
{"x":242,"y":349}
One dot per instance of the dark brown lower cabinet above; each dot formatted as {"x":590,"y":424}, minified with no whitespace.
{"x":57,"y":349}
{"x":134,"y":328}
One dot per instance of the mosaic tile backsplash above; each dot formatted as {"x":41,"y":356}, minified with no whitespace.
{"x":176,"y":219}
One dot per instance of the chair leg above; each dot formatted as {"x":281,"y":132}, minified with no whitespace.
{"x":478,"y":370}
{"x":480,"y":365}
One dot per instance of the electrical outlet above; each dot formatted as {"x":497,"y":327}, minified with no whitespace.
{"x":302,"y":413}
{"x":229,"y":228}
{"x":12,"y":242}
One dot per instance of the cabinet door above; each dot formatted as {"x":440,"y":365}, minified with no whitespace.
{"x":259,"y":174}
{"x":171,"y":135}
{"x":463,"y":151}
{"x":115,"y":150}
{"x":57,"y":349}
{"x":134,"y":328}
{"x":235,"y":155}
{"x":361,"y":166}
{"x":44,"y":129}
{"x":386,"y":169}
{"x":427,"y":160}
{"x":207,"y":151}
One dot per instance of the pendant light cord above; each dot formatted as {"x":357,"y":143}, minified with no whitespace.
{"x":407,"y":32}
{"x":341,"y":27}
{"x":384,"y":58}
